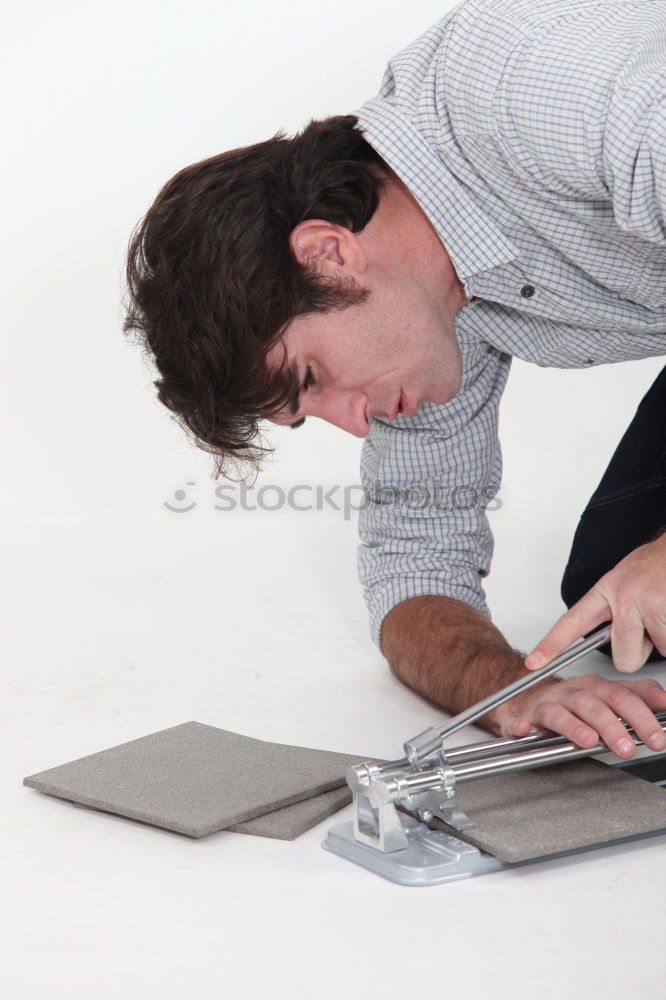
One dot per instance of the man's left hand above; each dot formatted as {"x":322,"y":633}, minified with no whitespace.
{"x":632,"y":596}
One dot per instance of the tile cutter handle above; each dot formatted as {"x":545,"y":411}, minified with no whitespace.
{"x":430,"y":741}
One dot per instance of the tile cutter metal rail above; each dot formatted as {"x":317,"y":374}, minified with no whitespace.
{"x":394,"y":802}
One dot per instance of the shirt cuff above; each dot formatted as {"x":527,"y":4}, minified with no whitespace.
{"x":385,"y":597}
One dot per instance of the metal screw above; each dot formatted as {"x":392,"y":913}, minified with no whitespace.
{"x":426,"y":815}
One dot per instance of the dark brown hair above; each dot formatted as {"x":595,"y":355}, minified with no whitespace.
{"x":212,"y":281}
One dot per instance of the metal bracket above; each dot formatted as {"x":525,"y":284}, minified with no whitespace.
{"x":376,"y":819}
{"x":442,"y":804}
{"x":425,"y":794}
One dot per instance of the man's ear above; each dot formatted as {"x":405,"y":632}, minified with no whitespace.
{"x":326,"y":246}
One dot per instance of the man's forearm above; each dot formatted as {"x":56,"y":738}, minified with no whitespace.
{"x":449,"y":652}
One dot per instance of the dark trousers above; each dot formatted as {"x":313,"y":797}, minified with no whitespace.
{"x":628,"y":507}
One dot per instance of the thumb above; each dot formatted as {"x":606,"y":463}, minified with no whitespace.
{"x":582,"y":617}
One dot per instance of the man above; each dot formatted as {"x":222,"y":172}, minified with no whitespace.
{"x":503,"y":195}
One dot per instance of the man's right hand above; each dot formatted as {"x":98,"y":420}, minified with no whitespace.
{"x":586,"y":710}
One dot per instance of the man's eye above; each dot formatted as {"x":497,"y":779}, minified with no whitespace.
{"x":309,"y":378}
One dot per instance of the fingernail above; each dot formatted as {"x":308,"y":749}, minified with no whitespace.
{"x":656,"y":741}
{"x":625,"y":745}
{"x":534,"y":660}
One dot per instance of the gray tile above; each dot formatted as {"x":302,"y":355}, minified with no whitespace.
{"x":292,"y":821}
{"x":525,"y":815}
{"x":195,"y":779}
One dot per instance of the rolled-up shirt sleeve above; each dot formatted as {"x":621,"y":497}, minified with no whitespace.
{"x":429,"y":481}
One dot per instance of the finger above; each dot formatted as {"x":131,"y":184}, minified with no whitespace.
{"x":518,"y":727}
{"x":620,"y":696}
{"x":556,"y":716}
{"x":654,"y":696}
{"x":582,"y":617}
{"x":651,"y":691}
{"x":647,"y":688}
{"x":629,"y":643}
{"x":655,"y":624}
{"x":592,"y":709}
{"x":626,"y":701}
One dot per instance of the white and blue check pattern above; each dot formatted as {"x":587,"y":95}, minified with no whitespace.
{"x":533,"y":134}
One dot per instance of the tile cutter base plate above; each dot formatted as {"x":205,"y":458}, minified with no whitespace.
{"x":433,"y":857}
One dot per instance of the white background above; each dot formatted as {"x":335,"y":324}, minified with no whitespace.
{"x":122,"y":618}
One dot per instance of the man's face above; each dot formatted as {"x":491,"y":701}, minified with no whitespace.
{"x":397,"y":349}
{"x":387,"y":356}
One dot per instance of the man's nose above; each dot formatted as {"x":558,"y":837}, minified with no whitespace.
{"x":345,"y":409}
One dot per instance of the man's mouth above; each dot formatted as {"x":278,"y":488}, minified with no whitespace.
{"x":397,"y":408}
{"x":405,"y":407}
{"x":401,"y":407}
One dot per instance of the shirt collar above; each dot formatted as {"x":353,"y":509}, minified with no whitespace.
{"x":472,"y":240}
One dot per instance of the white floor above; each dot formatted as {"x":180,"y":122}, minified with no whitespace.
{"x":128,"y":619}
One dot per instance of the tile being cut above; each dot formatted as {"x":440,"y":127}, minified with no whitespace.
{"x":524,"y":815}
{"x":196,"y":779}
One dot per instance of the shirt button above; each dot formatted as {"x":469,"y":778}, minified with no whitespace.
{"x":527,"y":291}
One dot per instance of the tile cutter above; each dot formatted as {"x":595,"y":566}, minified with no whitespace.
{"x":394,"y":802}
